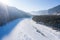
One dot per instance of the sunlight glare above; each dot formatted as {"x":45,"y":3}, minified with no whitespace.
{"x":4,"y":1}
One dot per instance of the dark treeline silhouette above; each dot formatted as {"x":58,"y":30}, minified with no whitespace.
{"x":48,"y":20}
{"x":52,"y":19}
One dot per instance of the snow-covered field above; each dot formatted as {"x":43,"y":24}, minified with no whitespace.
{"x":27,"y":29}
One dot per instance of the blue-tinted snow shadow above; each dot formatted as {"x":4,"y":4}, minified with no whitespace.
{"x":6,"y":29}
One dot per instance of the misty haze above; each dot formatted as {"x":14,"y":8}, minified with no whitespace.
{"x":29,"y":20}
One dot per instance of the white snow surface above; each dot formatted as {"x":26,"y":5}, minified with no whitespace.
{"x":27,"y":29}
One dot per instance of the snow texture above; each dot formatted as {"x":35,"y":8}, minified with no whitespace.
{"x":27,"y":29}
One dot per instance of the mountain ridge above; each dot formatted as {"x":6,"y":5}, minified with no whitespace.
{"x":8,"y":13}
{"x":52,"y":11}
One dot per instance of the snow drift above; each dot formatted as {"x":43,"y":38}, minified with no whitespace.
{"x":27,"y":29}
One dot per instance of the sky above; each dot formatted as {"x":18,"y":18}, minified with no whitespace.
{"x":33,"y":5}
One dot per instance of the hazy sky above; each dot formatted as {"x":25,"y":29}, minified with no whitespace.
{"x":34,"y":5}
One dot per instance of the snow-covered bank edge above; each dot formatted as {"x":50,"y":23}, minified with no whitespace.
{"x":27,"y":29}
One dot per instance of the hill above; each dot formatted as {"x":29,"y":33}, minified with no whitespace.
{"x":51,"y":11}
{"x":51,"y":20}
{"x":8,"y":13}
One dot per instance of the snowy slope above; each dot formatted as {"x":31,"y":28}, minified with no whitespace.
{"x":27,"y":29}
{"x":8,"y":13}
{"x":6,"y":29}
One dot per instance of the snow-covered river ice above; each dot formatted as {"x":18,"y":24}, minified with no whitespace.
{"x":27,"y":29}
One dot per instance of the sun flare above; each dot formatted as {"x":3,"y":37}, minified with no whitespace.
{"x":4,"y":1}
